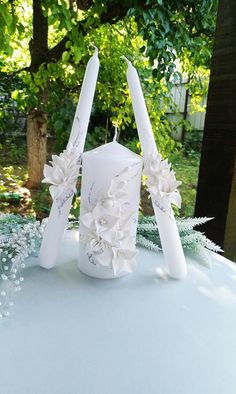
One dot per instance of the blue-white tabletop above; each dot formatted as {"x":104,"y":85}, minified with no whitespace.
{"x":140,"y":334}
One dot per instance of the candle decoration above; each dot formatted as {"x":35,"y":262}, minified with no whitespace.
{"x":65,"y":169}
{"x":161,"y":181}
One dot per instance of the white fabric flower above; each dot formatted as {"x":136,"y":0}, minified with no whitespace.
{"x":99,"y":231}
{"x":124,"y":257}
{"x":101,"y":250}
{"x":63,"y":171}
{"x":99,"y":219}
{"x":119,"y":255}
{"x":161,"y":181}
{"x":105,"y":228}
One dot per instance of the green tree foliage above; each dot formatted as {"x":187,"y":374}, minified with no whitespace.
{"x":46,"y":43}
{"x":174,"y":29}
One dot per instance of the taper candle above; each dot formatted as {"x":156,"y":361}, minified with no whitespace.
{"x":63,"y":173}
{"x":160,"y":180}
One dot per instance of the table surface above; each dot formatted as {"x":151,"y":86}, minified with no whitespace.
{"x":141,"y":334}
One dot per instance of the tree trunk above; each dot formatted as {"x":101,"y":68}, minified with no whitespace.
{"x":185,"y":114}
{"x":36,"y":146}
{"x":216,"y":194}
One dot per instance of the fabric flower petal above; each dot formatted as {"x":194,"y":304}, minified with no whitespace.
{"x":87,"y":219}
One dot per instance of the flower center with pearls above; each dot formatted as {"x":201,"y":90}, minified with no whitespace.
{"x":102,"y":222}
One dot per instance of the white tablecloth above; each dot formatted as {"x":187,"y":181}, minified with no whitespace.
{"x":140,"y":334}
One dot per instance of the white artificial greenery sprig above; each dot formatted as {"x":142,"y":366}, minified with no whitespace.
{"x":148,"y":236}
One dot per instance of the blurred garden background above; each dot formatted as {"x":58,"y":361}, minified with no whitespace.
{"x":44,"y":49}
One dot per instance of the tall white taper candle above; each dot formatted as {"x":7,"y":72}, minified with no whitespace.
{"x":170,"y":240}
{"x":59,"y":215}
{"x":84,"y":107}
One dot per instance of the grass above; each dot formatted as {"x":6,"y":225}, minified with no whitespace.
{"x":12,"y":180}
{"x":187,"y":168}
{"x":13,"y":176}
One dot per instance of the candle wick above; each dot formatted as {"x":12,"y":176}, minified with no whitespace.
{"x":127,"y":60}
{"x":116,"y":133}
{"x":94,"y":46}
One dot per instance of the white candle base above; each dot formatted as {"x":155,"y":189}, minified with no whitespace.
{"x":93,"y":269}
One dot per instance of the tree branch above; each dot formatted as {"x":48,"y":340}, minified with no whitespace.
{"x":56,"y":52}
{"x":38,"y":45}
{"x":40,"y":53}
{"x":115,"y":11}
{"x":84,"y":5}
{"x":20,"y":70}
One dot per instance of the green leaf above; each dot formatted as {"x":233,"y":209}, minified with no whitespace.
{"x":68,"y":44}
{"x":65,"y":56}
{"x":15,"y":94}
{"x":77,"y":55}
{"x":5,"y":14}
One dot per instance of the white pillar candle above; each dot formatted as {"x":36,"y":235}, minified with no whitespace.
{"x":158,"y":171}
{"x":65,"y":169}
{"x":110,"y":195}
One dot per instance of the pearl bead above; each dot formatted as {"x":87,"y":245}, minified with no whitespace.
{"x":108,"y":203}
